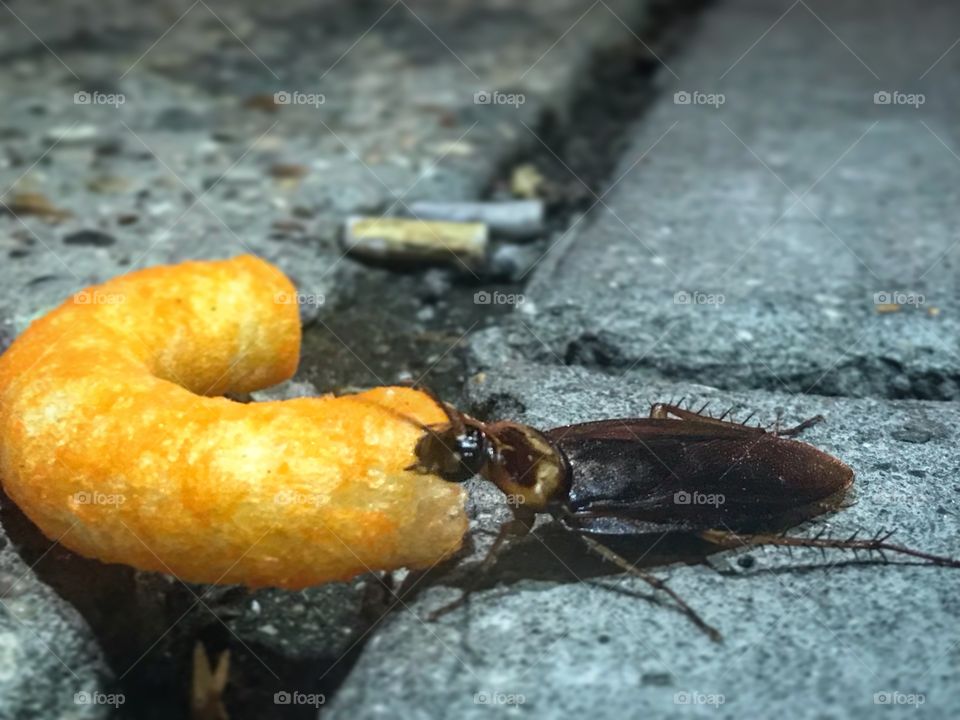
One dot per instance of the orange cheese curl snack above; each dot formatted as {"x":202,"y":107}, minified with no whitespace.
{"x":114,"y":442}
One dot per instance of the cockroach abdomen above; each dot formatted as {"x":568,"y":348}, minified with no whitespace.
{"x":655,"y":480}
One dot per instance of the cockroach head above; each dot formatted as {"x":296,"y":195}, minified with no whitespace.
{"x":455,"y":451}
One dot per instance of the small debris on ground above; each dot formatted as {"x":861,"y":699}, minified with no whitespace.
{"x":73,"y":135}
{"x":34,"y":203}
{"x":288,"y":171}
{"x":91,"y":238}
{"x":206,"y":702}
{"x":264,"y":101}
{"x":526,"y":181}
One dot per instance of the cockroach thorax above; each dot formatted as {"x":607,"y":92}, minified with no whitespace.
{"x":529,"y":470}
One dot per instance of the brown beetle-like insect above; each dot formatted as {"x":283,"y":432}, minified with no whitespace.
{"x":676,"y":471}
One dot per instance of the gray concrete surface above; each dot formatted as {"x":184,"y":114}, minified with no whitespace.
{"x":797,"y":200}
{"x":51,"y":664}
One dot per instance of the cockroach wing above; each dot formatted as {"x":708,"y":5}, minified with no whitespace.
{"x":637,"y":476}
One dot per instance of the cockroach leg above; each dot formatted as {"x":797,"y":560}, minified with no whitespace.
{"x":665,"y":411}
{"x":379,"y":596}
{"x":878,"y":543}
{"x":797,"y":429}
{"x":656,"y":583}
{"x":518,"y":526}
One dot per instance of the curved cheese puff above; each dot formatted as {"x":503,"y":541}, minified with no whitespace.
{"x":112,"y":439}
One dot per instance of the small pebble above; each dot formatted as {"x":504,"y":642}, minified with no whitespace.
{"x":90,"y":238}
{"x":511,"y":262}
{"x":73,"y":135}
{"x":913,"y":434}
{"x":288,"y":171}
{"x":178,"y":119}
{"x":657,"y":679}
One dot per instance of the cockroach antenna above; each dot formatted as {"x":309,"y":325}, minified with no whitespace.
{"x":874,"y":544}
{"x":447,"y":435}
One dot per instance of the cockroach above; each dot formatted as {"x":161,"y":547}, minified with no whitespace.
{"x":676,"y":471}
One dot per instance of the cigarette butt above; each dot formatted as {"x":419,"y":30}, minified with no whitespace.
{"x":456,"y":243}
{"x":516,"y":219}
